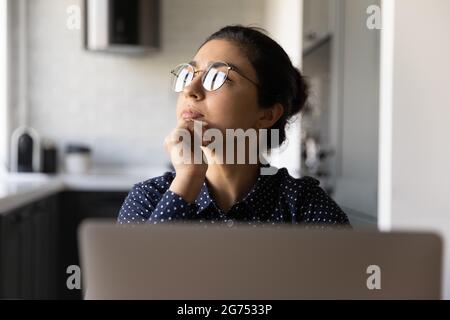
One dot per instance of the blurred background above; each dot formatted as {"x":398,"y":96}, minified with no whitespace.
{"x":85,"y":104}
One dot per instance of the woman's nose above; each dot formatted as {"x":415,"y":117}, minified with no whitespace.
{"x":195,"y":88}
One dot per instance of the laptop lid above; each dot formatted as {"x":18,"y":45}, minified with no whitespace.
{"x":192,"y":261}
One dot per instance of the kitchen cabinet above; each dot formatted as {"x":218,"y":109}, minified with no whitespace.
{"x":29,"y":251}
{"x":74,"y":208}
{"x":316,"y":23}
{"x":39,"y":241}
{"x":10,"y":261}
{"x":46,"y":250}
{"x":96,"y":204}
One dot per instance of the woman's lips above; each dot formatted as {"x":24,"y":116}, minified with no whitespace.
{"x":190,"y":114}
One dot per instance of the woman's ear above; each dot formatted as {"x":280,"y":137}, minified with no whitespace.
{"x":268,"y":116}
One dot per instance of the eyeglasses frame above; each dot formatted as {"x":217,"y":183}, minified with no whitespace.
{"x":228,"y":66}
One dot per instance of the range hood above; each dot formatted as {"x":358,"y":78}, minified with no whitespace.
{"x":120,"y":26}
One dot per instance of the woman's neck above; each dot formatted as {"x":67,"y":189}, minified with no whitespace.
{"x":230,"y":183}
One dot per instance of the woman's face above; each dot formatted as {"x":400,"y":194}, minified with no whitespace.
{"x":235,"y":104}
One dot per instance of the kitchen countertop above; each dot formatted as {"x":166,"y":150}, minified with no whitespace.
{"x":19,"y":189}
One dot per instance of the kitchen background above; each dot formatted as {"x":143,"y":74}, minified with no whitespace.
{"x":120,"y":106}
{"x":107,"y":113}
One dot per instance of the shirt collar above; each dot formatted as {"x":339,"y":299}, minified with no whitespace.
{"x":204,"y":198}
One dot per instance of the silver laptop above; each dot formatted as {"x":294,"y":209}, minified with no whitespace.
{"x":192,"y":261}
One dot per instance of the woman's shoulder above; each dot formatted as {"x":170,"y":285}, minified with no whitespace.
{"x":303,"y":189}
{"x":305,"y":182}
{"x":312,"y":202}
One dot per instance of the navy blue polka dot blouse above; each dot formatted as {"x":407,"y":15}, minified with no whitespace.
{"x":277,"y":198}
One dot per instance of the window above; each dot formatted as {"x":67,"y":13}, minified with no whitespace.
{"x":3,"y":85}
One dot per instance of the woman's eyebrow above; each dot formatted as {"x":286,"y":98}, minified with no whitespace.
{"x":194,"y":63}
{"x":234,"y":67}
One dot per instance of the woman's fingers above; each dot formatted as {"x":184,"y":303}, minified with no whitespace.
{"x":185,"y":133}
{"x":198,"y":129}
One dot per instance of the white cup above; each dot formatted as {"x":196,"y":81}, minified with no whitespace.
{"x":78,"y":162}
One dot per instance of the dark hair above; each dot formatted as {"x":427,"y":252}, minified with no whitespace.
{"x":279,"y":81}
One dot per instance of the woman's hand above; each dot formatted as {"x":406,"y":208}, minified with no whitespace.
{"x":184,"y":147}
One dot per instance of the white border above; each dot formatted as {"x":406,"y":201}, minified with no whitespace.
{"x":386,"y":113}
{"x":3,"y":85}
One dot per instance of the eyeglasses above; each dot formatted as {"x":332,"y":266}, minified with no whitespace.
{"x":212,"y":79}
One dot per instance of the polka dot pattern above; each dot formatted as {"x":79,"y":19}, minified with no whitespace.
{"x":274,"y":199}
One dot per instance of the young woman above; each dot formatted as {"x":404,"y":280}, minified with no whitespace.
{"x":239,"y":79}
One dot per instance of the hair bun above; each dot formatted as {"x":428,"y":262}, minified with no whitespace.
{"x":301,"y":93}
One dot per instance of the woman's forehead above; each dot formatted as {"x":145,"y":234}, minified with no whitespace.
{"x":222,"y":50}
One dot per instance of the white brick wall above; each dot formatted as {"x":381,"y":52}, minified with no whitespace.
{"x":121,"y":105}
